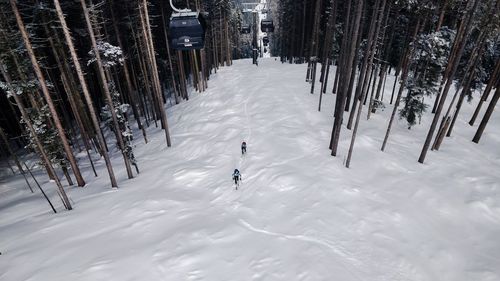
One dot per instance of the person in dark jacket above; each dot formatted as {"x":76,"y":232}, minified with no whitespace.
{"x":243,"y":148}
{"x":236,"y":177}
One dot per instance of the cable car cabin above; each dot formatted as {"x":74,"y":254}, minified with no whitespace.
{"x":265,"y":40}
{"x":266,"y":26}
{"x":245,"y":29}
{"x":187,"y":31}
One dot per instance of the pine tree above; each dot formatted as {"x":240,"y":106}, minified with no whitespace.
{"x":427,"y":63}
{"x":120,"y":110}
{"x":48,"y":138}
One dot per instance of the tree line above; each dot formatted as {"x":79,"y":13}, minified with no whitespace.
{"x":429,"y":46}
{"x":71,"y":71}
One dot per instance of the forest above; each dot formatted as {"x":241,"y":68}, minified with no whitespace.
{"x":73,"y":70}
{"x":368,"y":132}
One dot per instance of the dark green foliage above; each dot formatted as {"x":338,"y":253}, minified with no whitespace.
{"x":413,"y":107}
{"x":121,"y":115}
{"x":48,"y":136}
{"x":429,"y":59}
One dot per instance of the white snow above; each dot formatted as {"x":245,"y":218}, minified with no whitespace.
{"x":299,"y":213}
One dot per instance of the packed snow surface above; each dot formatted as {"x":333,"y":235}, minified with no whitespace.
{"x":299,"y":213}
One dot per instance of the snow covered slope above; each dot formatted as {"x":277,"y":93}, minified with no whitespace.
{"x":299,"y":214}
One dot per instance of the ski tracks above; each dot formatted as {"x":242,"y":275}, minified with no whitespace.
{"x":336,"y":249}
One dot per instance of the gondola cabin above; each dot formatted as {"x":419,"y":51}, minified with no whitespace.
{"x":245,"y":29}
{"x":267,"y":26}
{"x":187,"y":31}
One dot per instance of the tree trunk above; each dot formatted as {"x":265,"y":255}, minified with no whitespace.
{"x":321,"y":91}
{"x":41,"y":190}
{"x":441,"y":14}
{"x":167,"y":46}
{"x":156,"y":79}
{"x":487,"y":116}
{"x":86,"y":93}
{"x":46,"y":93}
{"x":491,"y":83}
{"x":394,"y":87}
{"x":16,"y":160}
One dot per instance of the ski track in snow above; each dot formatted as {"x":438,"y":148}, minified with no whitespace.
{"x":298,"y":214}
{"x":329,"y":245}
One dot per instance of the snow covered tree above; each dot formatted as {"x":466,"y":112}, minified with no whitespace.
{"x":427,"y":64}
{"x":48,"y":137}
{"x":120,"y":110}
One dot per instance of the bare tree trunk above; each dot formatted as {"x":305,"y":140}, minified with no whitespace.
{"x":441,"y":14}
{"x":372,"y":95}
{"x":46,"y":93}
{"x":327,"y":74}
{"x":41,"y":190}
{"x":487,"y":116}
{"x":369,"y":84}
{"x":167,"y":45}
{"x":229,"y":61}
{"x":156,"y":79}
{"x":215,"y":50}
{"x":315,"y":43}
{"x":182,"y":75}
{"x":394,"y":87}
{"x":16,"y":160}
{"x":491,"y":83}
{"x":324,"y":83}
{"x":336,"y":81}
{"x":105,"y":86}
{"x":86,"y":93}
{"x":128,"y":81}
{"x":381,"y":83}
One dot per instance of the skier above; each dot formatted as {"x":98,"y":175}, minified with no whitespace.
{"x":236,"y":177}
{"x":243,"y":148}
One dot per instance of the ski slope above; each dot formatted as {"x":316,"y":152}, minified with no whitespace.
{"x":299,"y":213}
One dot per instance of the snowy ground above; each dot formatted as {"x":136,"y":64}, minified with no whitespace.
{"x":299,"y":214}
